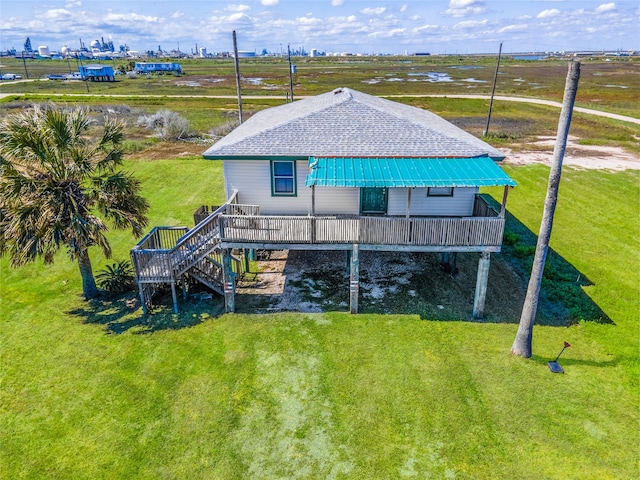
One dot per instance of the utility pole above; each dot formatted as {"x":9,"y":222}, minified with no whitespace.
{"x":24,"y":61}
{"x":493,"y":91}
{"x":522,"y":343}
{"x":290,"y":73}
{"x":83,"y":72}
{"x":235,"y":54}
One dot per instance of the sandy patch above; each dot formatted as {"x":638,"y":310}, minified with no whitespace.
{"x":576,"y":155}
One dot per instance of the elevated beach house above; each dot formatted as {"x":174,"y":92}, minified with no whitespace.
{"x":343,"y":170}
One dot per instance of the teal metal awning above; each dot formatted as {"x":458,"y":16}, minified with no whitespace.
{"x":406,"y":172}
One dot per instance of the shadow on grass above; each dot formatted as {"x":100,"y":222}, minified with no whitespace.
{"x":418,"y":284}
{"x":392,"y":283}
{"x":562,"y":294}
{"x":123,"y":314}
{"x":568,"y":361}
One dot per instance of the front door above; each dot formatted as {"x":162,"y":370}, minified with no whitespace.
{"x":373,"y":200}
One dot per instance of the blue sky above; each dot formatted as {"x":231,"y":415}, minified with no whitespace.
{"x":357,"y":26}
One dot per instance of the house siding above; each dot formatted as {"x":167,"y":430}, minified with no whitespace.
{"x":459,"y":205}
{"x":252,"y":180}
{"x":337,"y":200}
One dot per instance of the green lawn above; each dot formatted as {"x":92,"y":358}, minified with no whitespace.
{"x":197,"y":395}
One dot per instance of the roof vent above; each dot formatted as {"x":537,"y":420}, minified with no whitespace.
{"x":337,"y":91}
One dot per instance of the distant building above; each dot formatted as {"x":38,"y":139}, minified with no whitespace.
{"x":154,"y":67}
{"x":246,"y":54}
{"x":97,"y":73}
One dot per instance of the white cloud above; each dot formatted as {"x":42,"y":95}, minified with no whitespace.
{"x":462,"y":8}
{"x":470,"y":24}
{"x":55,"y":13}
{"x":512,"y":28}
{"x":391,"y":33}
{"x":425,"y":28}
{"x":308,"y":21}
{"x":234,"y":17}
{"x":129,"y":18}
{"x":361,"y":27}
{"x":606,"y":7}
{"x":237,"y":8}
{"x":549,"y":13}
{"x":373,"y":11}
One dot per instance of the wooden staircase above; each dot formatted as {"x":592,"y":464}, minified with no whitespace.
{"x":173,"y":255}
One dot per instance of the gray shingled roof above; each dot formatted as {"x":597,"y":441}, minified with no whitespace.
{"x":349,"y":123}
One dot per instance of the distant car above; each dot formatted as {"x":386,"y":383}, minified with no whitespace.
{"x":56,"y":76}
{"x":73,"y":76}
{"x":11,"y":76}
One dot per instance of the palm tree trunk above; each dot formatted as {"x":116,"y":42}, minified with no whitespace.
{"x":522,"y":344}
{"x":89,"y":289}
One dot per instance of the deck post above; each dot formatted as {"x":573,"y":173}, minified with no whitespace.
{"x":142,"y":301}
{"x":503,"y":207}
{"x":229,"y":283}
{"x":246,"y":256}
{"x":449,"y":262}
{"x":408,"y":202}
{"x":174,"y":297}
{"x":354,"y":280}
{"x":481,"y":285}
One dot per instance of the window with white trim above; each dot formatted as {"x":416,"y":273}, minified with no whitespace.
{"x":283,"y":177}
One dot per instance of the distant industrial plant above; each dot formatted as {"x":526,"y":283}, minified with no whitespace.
{"x":101,"y":49}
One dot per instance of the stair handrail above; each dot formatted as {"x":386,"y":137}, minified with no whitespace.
{"x":212,"y":216}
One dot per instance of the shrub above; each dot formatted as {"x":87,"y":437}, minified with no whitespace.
{"x":511,"y":238}
{"x":523,"y":251}
{"x":224,"y":129}
{"x":117,"y":277}
{"x":167,"y":125}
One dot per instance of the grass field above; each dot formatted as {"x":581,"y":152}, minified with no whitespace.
{"x":606,"y":84}
{"x":203,"y":395}
{"x":513,"y":125}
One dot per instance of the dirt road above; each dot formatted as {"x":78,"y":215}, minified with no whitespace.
{"x":539,"y":101}
{"x":576,"y":155}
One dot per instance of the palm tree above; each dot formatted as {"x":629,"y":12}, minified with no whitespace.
{"x":59,"y":184}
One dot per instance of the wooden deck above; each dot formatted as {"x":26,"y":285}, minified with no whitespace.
{"x":168,"y":255}
{"x":481,"y":232}
{"x":240,"y":231}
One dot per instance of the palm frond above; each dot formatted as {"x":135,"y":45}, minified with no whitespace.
{"x":49,"y":191}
